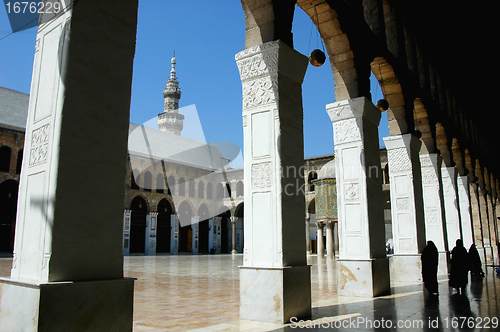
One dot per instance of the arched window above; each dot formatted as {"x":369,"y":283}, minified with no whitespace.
{"x":160,"y":184}
{"x":134,"y":179}
{"x":171,"y":185}
{"x":201,"y":189}
{"x":5,"y":153}
{"x":220,"y":191}
{"x":191,"y":188}
{"x":19,"y":161}
{"x":239,"y":189}
{"x":312,"y":176}
{"x":148,"y":181}
{"x":227,"y":191}
{"x":182,"y":187}
{"x":209,"y":190}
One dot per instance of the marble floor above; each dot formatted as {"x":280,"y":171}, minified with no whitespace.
{"x":201,"y":293}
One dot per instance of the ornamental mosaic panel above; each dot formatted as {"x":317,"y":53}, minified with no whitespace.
{"x":326,"y":200}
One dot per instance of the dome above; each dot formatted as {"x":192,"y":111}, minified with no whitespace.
{"x":327,"y":171}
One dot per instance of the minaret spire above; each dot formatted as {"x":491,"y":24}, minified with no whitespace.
{"x":171,"y":121}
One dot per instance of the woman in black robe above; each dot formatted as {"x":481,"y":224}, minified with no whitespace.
{"x":430,"y":258}
{"x":459,"y":267}
{"x":475,"y":262}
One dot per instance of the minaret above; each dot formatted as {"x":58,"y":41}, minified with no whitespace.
{"x":171,"y":121}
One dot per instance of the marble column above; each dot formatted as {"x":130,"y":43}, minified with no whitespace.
{"x":452,"y":214}
{"x":174,"y":234}
{"x":320,"y":242}
{"x":233,"y":235}
{"x":67,"y":268}
{"x":308,"y":234}
{"x":275,"y":282}
{"x":363,"y":265}
{"x":195,"y":227}
{"x":330,"y":243}
{"x":151,"y":222}
{"x":435,"y":226}
{"x":493,"y":235}
{"x":407,"y":208}
{"x":464,"y":203}
{"x":126,"y":232}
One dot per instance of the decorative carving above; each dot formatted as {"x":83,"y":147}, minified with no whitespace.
{"x":348,"y":130}
{"x":405,"y":245}
{"x":351,"y":191}
{"x":399,"y":159}
{"x":39,"y":145}
{"x":260,"y":91}
{"x":261,"y":175}
{"x":402,"y":203}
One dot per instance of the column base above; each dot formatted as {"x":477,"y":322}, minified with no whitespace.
{"x":275,"y":295}
{"x":104,"y":305}
{"x":407,"y":268}
{"x":364,"y":278}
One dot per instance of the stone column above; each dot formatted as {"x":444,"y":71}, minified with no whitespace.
{"x":308,"y":234}
{"x":435,"y":226}
{"x":464,"y":203}
{"x":363,"y":265}
{"x":320,"y":242}
{"x":330,"y":243}
{"x":476,"y":219}
{"x":452,"y":214}
{"x":407,"y":208}
{"x":67,"y":267}
{"x":485,"y":226}
{"x":493,"y":233}
{"x":151,"y":221}
{"x":174,"y":234}
{"x":126,"y":232}
{"x":275,"y":283}
{"x":233,"y":234}
{"x":195,"y":227}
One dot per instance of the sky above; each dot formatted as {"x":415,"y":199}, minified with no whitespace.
{"x":205,"y":36}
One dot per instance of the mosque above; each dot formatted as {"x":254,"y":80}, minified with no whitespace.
{"x":441,"y":165}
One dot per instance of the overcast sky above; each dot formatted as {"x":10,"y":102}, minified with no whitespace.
{"x":205,"y":36}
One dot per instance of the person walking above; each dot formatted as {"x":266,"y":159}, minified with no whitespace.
{"x":430,"y":259}
{"x":475,"y":262}
{"x":460,"y":267}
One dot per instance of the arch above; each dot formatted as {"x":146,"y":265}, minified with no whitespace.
{"x":311,"y":208}
{"x":139,"y":210}
{"x":227,"y":190}
{"x":148,"y":181}
{"x":201,"y":189}
{"x":240,"y":189}
{"x":185,"y":212}
{"x":400,"y":121}
{"x":19,"y":161}
{"x":134,"y":179}
{"x":163,"y":228}
{"x":171,"y":185}
{"x":160,"y":183}
{"x":5,"y":154}
{"x":424,"y":126}
{"x":220,"y":191}
{"x":310,"y":178}
{"x":210,"y":190}
{"x":8,"y":208}
{"x":238,"y":212}
{"x":182,"y":187}
{"x":203,"y":229}
{"x":191,"y":188}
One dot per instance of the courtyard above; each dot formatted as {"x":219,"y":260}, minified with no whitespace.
{"x":201,"y":293}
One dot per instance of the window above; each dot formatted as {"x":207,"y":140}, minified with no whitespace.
{"x":209,"y":190}
{"x":160,"y":184}
{"x":5,"y":153}
{"x":201,"y":189}
{"x":148,"y":181}
{"x":191,"y":188}
{"x":182,"y":187}
{"x":239,"y":189}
